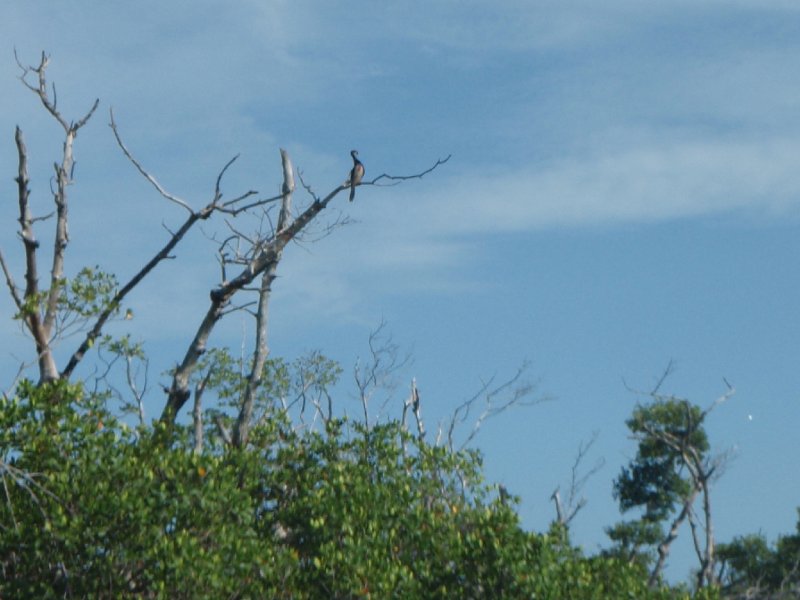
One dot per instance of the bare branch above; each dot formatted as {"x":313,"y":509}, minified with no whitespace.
{"x":242,"y":427}
{"x":575,"y":502}
{"x":12,"y":287}
{"x":666,"y":543}
{"x":238,"y":235}
{"x":306,"y":186}
{"x":130,"y":377}
{"x":655,"y":391}
{"x":287,"y":190}
{"x":25,"y":481}
{"x":268,"y":256}
{"x":13,"y":385}
{"x":729,"y":391}
{"x":40,"y":89}
{"x":670,"y":368}
{"x":495,"y":400}
{"x":217,"y":190}
{"x":398,"y":178}
{"x":244,"y":420}
{"x":378,"y":371}
{"x":145,"y":174}
{"x":197,"y":413}
{"x":414,"y":403}
{"x":223,"y":430}
{"x":41,"y":325}
{"x":116,"y":302}
{"x":30,"y":313}
{"x":161,"y":255}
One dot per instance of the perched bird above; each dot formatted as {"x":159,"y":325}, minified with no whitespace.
{"x":356,"y":174}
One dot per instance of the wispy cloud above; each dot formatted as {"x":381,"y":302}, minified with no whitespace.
{"x":558,"y":115}
{"x":643,"y":183}
{"x":435,"y":236}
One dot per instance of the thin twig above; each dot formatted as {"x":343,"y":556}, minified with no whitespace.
{"x":141,"y":169}
{"x":399,"y":178}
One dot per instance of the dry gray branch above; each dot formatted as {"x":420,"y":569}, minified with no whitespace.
{"x":153,"y":181}
{"x":197,"y":412}
{"x":565,"y":513}
{"x":495,"y":399}
{"x":267,"y":254}
{"x":395,"y":179}
{"x":378,"y":371}
{"x":244,"y":420}
{"x":162,"y":254}
{"x":414,"y":403}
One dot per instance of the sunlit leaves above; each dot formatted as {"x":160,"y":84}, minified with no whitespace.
{"x":343,"y":511}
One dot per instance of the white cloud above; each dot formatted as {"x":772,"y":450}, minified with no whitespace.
{"x":192,"y":88}
{"x":645,"y":183}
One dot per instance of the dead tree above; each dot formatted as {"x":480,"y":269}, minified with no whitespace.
{"x":575,"y":501}
{"x":492,"y":399}
{"x":264,"y":254}
{"x":39,"y":308}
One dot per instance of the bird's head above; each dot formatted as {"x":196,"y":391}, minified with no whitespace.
{"x":353,"y":153}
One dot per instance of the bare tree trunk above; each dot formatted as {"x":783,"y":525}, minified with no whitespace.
{"x":29,"y":306}
{"x":244,"y":420}
{"x":706,"y":575}
{"x":41,"y":325}
{"x":197,"y":412}
{"x":197,"y":420}
{"x":664,"y":546}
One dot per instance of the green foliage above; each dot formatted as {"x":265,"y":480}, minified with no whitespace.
{"x":634,"y":540}
{"x":78,"y":300}
{"x":345,"y":512}
{"x":749,"y":566}
{"x":89,"y":293}
{"x":112,"y":516}
{"x":656,"y":481}
{"x":653,"y":480}
{"x":122,"y":347}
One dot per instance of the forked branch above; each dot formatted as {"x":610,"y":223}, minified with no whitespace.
{"x":495,"y":399}
{"x":567,"y":511}
{"x":162,"y":254}
{"x":265,"y":259}
{"x":40,"y":313}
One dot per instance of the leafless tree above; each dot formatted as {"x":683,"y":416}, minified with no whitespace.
{"x":250,"y":258}
{"x":575,"y":501}
{"x":377,"y":372}
{"x":261,"y":259}
{"x":492,"y":399}
{"x":38,"y":308}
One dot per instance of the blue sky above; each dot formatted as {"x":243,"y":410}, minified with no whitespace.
{"x":623,"y":192}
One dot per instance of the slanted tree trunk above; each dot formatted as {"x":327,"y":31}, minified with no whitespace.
{"x":672,"y":535}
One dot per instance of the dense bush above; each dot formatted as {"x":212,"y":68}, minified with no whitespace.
{"x":94,"y":508}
